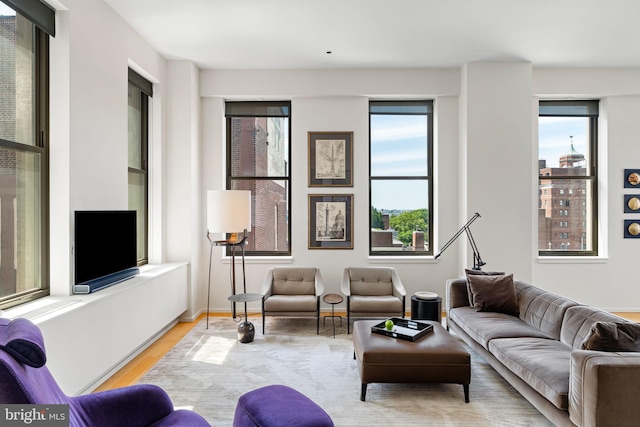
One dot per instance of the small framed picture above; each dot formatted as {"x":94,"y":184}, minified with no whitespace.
{"x":631,"y":229}
{"x":330,"y":221}
{"x":631,"y":203}
{"x":330,"y":159}
{"x":632,"y":178}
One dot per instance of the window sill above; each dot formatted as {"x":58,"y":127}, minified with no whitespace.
{"x":573,"y":260}
{"x":259,"y":259}
{"x":383,"y":259}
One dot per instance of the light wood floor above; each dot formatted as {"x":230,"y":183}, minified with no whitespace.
{"x":134,"y":370}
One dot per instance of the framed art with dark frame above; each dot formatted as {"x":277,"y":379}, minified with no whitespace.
{"x":330,"y":221}
{"x":631,"y":229}
{"x":631,"y":203}
{"x":632,"y":178}
{"x":330,"y":159}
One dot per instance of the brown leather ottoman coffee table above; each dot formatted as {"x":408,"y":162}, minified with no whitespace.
{"x":435,"y":358}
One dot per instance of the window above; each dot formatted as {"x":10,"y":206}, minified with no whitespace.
{"x":258,"y":153}
{"x":567,"y":159}
{"x":140,"y":90}
{"x":400,"y":177}
{"x":24,"y":138}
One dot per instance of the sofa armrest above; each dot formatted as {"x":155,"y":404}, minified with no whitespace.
{"x":457,"y":293}
{"x":265,"y":290}
{"x":398,"y":288}
{"x":345,"y":286}
{"x":140,"y":404}
{"x":603,"y":388}
{"x":319,"y":283}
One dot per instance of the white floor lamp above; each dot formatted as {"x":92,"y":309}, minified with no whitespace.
{"x":228,"y":212}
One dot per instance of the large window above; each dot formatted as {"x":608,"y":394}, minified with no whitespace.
{"x":140,"y":90}
{"x":401,"y":180}
{"x":24,"y":137}
{"x":258,"y":153}
{"x":567,"y":182}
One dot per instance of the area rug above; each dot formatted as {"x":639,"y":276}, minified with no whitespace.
{"x":208,"y":370}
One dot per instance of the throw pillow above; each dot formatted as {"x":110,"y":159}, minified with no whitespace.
{"x":479,"y":273}
{"x":494,"y":293}
{"x":613,"y":336}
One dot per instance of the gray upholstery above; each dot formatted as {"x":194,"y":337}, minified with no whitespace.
{"x":540,"y":355}
{"x":578,"y":321}
{"x":373,"y":292}
{"x":292,"y":292}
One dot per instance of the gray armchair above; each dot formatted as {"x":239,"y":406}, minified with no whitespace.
{"x":373,"y":292}
{"x":292,"y":292}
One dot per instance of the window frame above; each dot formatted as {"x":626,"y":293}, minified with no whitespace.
{"x":569,"y":108}
{"x":262,"y":109}
{"x":146,"y":93}
{"x":40,"y":146}
{"x":428,"y":105}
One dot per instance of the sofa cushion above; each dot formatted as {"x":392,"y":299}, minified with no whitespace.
{"x":577,"y":323}
{"x":613,"y":336}
{"x":375,"y":304}
{"x":370,"y":281}
{"x":291,"y":303}
{"x":542,"y":309}
{"x":470,"y":272}
{"x":294,"y":281}
{"x":494,"y":293}
{"x":484,"y":326}
{"x":544,"y":364}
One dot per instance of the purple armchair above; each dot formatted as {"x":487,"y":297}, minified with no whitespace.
{"x":24,"y":379}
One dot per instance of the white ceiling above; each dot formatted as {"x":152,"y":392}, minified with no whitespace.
{"x":296,"y":34}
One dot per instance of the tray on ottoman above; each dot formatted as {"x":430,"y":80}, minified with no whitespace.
{"x":404,"y":329}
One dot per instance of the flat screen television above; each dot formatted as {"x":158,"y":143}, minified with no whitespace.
{"x":105,"y":250}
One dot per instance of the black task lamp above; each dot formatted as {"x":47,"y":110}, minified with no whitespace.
{"x":477,"y":261}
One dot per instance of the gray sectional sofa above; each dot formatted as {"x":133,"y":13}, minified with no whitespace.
{"x":539,"y":352}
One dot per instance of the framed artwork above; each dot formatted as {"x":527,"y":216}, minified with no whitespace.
{"x":632,"y":178}
{"x":631,"y":229}
{"x":330,"y":159}
{"x":631,"y":203}
{"x":330,"y":221}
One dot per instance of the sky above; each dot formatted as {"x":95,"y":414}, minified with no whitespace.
{"x":6,"y":10}
{"x":554,"y":137}
{"x":398,"y":149}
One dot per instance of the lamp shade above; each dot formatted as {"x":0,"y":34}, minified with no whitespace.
{"x":228,"y":211}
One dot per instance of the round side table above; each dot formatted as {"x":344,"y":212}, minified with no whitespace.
{"x":246,"y":330}
{"x":426,"y":309}
{"x":333,"y":299}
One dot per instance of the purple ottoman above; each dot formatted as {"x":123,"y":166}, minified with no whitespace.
{"x":279,"y":406}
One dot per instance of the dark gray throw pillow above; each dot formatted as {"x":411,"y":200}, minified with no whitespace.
{"x":494,"y":293}
{"x":479,"y":273}
{"x":613,"y":336}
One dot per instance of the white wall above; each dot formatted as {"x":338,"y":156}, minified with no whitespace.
{"x":90,"y":55}
{"x":335,"y":101}
{"x":486,"y":151}
{"x":485,"y":136}
{"x":609,"y":282}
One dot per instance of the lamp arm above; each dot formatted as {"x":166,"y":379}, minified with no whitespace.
{"x":455,"y":236}
{"x":477,"y":261}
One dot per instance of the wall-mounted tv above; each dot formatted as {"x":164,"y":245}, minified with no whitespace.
{"x":104,"y":249}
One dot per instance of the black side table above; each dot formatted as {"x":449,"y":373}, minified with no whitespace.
{"x":426,"y":309}
{"x":332,"y":299}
